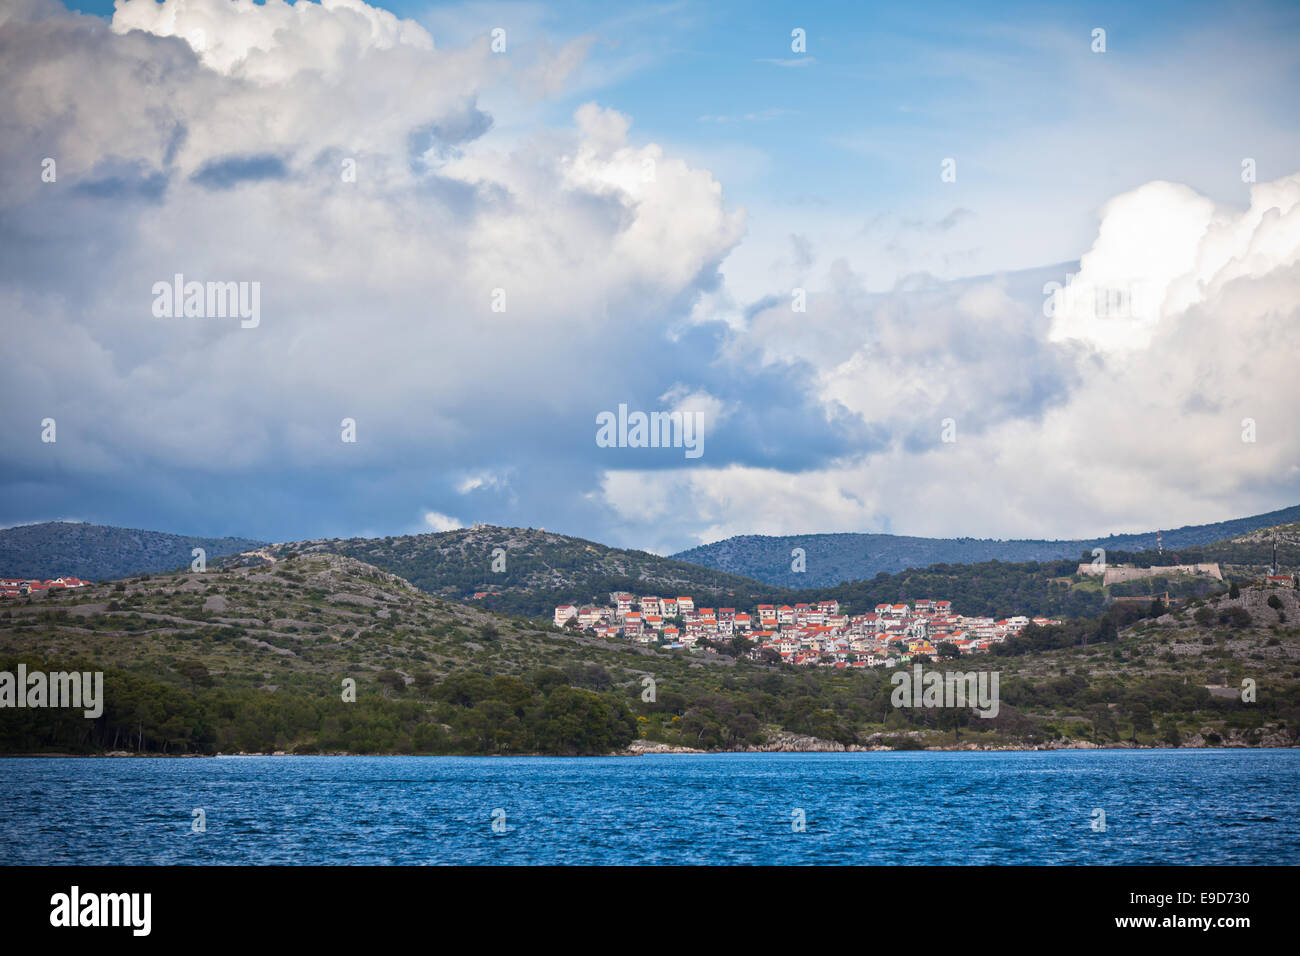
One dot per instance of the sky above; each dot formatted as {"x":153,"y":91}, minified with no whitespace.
{"x":955,"y":270}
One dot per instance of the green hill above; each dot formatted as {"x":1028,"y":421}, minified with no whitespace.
{"x":544,"y":569}
{"x":833,"y":558}
{"x":537,"y":569}
{"x":256,"y":658}
{"x":100,"y":553}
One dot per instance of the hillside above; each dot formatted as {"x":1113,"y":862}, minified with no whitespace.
{"x":1208,"y":646}
{"x":998,"y":589}
{"x":833,"y":558}
{"x":543,"y":570}
{"x":538,"y":568}
{"x":1286,"y":534}
{"x":255,"y":658}
{"x":1053,"y":589}
{"x":101,"y":553}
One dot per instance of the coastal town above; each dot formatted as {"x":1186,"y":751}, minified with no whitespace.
{"x":820,"y":634}
{"x":25,"y":587}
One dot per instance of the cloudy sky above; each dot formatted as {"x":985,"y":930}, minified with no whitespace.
{"x":941,"y":270}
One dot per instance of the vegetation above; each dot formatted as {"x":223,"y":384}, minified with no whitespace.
{"x":257,"y":659}
{"x":465,"y":713}
{"x":522,"y":571}
{"x":835,"y":558}
{"x":544,"y":570}
{"x":97,"y":553}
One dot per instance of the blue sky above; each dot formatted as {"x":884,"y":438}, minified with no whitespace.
{"x":194,"y":140}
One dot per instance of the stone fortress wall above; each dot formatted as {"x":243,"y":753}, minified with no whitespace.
{"x":1117,"y":574}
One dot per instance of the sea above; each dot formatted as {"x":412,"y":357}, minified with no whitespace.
{"x":1118,"y":807}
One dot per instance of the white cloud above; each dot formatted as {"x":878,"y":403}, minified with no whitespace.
{"x":1148,"y":239}
{"x":442,"y":522}
{"x":219,"y":155}
{"x":1149,"y":431}
{"x":690,"y":401}
{"x":376,"y":294}
{"x":273,"y":41}
{"x":484,"y":481}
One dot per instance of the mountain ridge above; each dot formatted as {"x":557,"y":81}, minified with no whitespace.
{"x":832,"y":558}
{"x":97,"y":552}
{"x":520,"y":571}
{"x":526,"y":571}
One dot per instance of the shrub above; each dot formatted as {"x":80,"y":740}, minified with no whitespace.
{"x":1235,"y":617}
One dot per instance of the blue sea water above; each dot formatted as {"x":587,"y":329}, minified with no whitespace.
{"x":1161,"y":806}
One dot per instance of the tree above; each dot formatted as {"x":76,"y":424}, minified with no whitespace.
{"x":1140,"y":715}
{"x":1103,"y":725}
{"x":1235,"y":616}
{"x":425,"y":681}
{"x":739,"y":646}
{"x":954,"y":719}
{"x":194,"y":672}
{"x":1107,"y":630}
{"x":1234,"y":592}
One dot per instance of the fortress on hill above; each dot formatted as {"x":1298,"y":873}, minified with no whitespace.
{"x":1119,"y":573}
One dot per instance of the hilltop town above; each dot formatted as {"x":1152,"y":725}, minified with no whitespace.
{"x":820,"y":634}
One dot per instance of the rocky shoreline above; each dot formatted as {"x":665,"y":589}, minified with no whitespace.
{"x":785,"y":742}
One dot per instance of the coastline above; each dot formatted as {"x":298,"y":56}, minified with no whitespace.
{"x":644,"y":748}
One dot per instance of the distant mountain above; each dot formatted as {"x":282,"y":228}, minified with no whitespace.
{"x":833,"y":558}
{"x":537,"y":569}
{"x":100,"y":553}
